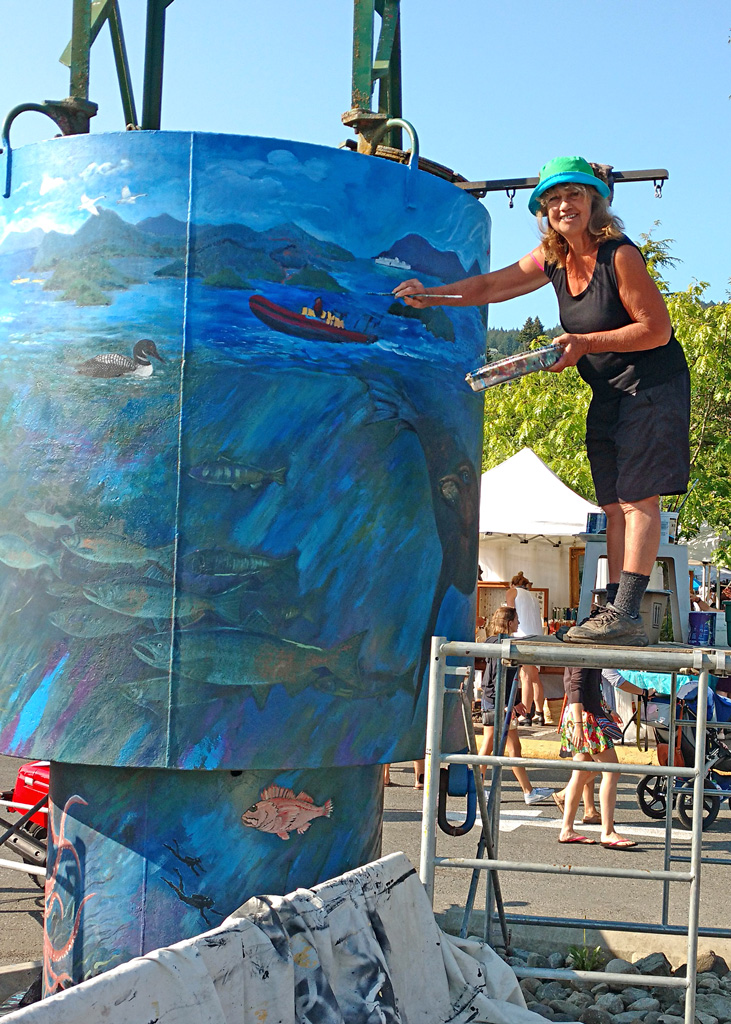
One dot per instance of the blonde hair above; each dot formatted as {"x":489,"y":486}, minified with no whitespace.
{"x":501,"y":620}
{"x":603,"y":225}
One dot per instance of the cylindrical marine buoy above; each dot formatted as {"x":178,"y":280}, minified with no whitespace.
{"x":238,"y":495}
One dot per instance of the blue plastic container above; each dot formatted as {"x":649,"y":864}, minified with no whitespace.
{"x":702,"y":629}
{"x":596,"y":522}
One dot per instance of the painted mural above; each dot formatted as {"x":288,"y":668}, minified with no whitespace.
{"x":238,"y":484}
{"x":140,"y":858}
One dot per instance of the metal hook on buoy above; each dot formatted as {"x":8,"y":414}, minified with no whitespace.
{"x":456,"y":780}
{"x":658,"y":183}
{"x":398,"y":122}
{"x":71,"y":115}
{"x":510,"y":193}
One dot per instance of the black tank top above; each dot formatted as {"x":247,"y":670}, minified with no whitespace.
{"x":599,"y":308}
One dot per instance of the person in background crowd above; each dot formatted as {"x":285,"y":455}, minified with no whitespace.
{"x":530,"y":623}
{"x":611,"y":679}
{"x":587,"y":734}
{"x":504,"y":622}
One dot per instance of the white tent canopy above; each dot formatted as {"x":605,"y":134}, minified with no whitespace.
{"x":521,"y":502}
{"x":523,"y":496}
{"x":702,"y":546}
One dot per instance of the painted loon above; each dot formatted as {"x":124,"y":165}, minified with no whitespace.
{"x":112,"y":364}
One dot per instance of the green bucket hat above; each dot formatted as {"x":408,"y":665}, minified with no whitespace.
{"x":560,"y":170}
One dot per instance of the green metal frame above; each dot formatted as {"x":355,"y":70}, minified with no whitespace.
{"x":88,"y":21}
{"x":89,"y":17}
{"x":154,"y":51}
{"x":384,"y":69}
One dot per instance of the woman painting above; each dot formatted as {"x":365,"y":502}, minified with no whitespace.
{"x":619,"y":336}
{"x":503,"y":623}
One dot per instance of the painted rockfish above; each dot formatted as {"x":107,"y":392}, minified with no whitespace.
{"x":279,"y":811}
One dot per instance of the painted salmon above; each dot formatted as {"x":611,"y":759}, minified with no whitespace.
{"x":150,"y":598}
{"x":81,"y":619}
{"x":114,"y":549}
{"x":50,"y":521}
{"x":236,"y":657}
{"x":18,"y":553}
{"x":279,"y":811}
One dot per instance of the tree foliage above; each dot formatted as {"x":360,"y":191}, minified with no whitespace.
{"x":547,"y":412}
{"x":505,"y":342}
{"x":704,"y":330}
{"x":531,"y":329}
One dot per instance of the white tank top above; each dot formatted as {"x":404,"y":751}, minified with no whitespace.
{"x":530,"y":622}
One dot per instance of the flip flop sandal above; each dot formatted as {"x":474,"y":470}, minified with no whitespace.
{"x":582,"y":840}
{"x":624,"y":844}
{"x":592,"y":819}
{"x":559,"y":801}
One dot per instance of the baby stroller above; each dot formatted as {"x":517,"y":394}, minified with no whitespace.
{"x":652,"y":789}
{"x":28,"y":837}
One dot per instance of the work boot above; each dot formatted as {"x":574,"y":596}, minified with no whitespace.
{"x":610,"y":627}
{"x":597,"y":609}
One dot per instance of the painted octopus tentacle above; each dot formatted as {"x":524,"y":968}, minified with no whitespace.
{"x":53,"y":901}
{"x":50,"y":900}
{"x":59,"y":954}
{"x":59,"y":841}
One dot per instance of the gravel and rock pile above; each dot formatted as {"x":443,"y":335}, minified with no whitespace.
{"x":598,"y":1002}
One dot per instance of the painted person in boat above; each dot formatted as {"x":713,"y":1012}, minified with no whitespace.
{"x":318,"y":311}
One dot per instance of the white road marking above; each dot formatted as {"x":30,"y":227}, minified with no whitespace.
{"x":511,"y":820}
{"x":506,"y":824}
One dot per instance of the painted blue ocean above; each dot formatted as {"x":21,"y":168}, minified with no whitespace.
{"x":233,"y":551}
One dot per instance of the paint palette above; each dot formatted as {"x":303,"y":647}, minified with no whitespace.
{"x":514,"y":366}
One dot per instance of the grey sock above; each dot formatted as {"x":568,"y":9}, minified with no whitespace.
{"x":632,"y":586}
{"x":612,"y":589}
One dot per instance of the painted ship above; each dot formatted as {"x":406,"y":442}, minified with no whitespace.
{"x":392,"y":261}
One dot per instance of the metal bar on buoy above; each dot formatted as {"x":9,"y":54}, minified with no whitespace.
{"x":481,"y":188}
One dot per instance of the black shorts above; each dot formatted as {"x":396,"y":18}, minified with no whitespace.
{"x":488,"y":718}
{"x":638,"y":444}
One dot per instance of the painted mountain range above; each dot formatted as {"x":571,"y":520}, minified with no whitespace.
{"x":227,"y":255}
{"x":84,"y":266}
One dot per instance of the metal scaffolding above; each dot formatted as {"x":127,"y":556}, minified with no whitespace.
{"x":672,"y":659}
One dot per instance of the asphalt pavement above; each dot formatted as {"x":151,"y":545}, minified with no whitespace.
{"x":527,"y":834}
{"x":21,"y":900}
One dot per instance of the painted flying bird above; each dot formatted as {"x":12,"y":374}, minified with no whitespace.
{"x":128,"y":197}
{"x":113,"y":364}
{"x":90,"y":204}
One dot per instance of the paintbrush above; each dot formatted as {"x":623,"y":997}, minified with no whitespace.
{"x":417,"y":295}
{"x":679,"y":507}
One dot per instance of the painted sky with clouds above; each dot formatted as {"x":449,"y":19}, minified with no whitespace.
{"x":251,"y":181}
{"x":494,"y":91}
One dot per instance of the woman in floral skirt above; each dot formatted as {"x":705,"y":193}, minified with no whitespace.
{"x":587,"y":732}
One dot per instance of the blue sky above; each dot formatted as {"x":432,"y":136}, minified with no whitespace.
{"x":494,"y":91}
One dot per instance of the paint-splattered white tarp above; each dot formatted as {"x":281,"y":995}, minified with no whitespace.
{"x":360,"y":949}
